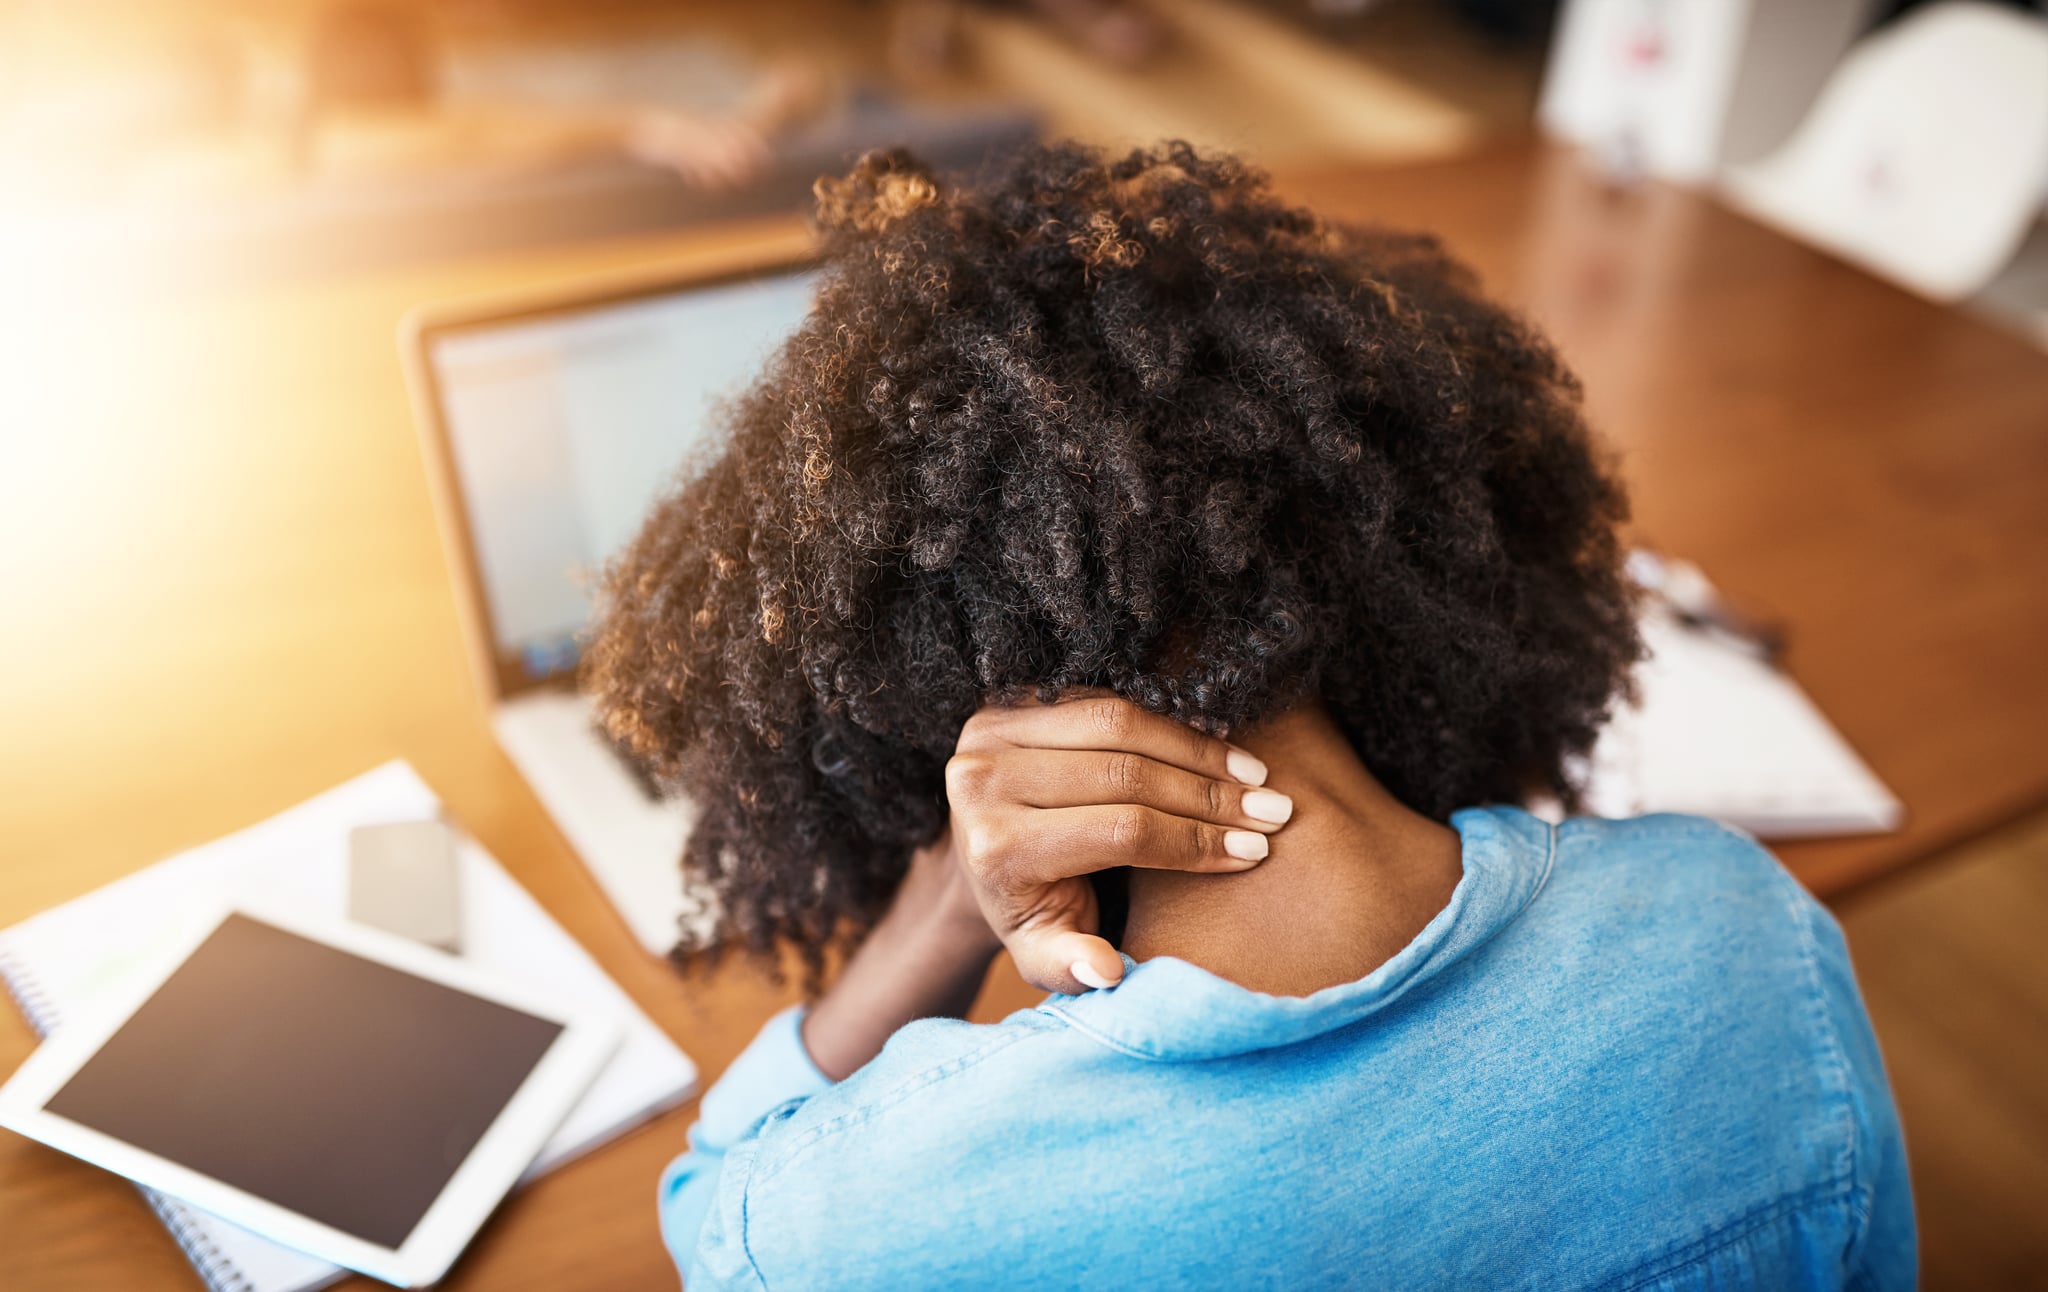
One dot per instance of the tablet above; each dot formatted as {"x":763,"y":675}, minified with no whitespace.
{"x":339,"y":1089}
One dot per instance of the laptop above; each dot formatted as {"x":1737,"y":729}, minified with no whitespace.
{"x":550,"y":425}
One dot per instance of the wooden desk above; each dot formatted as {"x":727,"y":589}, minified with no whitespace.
{"x":225,"y":590}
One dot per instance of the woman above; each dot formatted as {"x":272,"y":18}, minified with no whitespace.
{"x":1125,"y":569}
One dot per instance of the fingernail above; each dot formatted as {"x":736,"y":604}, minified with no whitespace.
{"x":1268,"y":805}
{"x":1089,"y":978}
{"x":1245,"y":845}
{"x":1245,"y":767}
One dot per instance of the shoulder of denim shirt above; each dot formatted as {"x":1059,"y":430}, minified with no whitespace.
{"x":803,"y":1189}
{"x":1725,"y":916}
{"x":1713,"y":884}
{"x":1673,"y":854}
{"x":919,"y":1056}
{"x":1695,"y":872}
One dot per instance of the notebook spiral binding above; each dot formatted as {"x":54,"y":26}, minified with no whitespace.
{"x":41,"y":1013}
{"x":38,"y":1009}
{"x":220,"y":1274}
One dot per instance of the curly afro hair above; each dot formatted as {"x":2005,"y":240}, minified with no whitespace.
{"x":1127,"y":423}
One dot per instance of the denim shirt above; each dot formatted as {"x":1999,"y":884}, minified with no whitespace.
{"x":1627,"y":1054}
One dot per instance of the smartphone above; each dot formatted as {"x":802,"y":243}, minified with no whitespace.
{"x":402,"y":878}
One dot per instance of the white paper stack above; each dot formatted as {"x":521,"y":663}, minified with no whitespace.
{"x":1718,"y":732}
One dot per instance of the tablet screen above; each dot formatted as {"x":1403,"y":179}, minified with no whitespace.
{"x":337,"y":1087}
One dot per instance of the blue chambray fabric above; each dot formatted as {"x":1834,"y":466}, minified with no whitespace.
{"x":1627,"y":1054}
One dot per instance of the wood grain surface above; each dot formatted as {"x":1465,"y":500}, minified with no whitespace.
{"x":225,"y":591}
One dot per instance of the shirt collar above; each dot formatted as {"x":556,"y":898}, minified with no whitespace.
{"x":1171,"y":1010}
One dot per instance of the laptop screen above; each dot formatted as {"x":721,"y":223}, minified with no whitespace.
{"x":563,"y":427}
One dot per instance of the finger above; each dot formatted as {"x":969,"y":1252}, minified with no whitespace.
{"x":1030,"y":847}
{"x":1049,"y":932}
{"x":1108,"y":723}
{"x":1065,"y":960}
{"x":1059,"y":778}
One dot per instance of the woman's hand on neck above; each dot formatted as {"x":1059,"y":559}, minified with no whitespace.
{"x":1350,"y":881}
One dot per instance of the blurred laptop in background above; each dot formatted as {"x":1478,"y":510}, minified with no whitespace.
{"x":550,"y":426}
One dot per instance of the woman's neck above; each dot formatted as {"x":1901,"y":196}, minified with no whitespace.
{"x":1350,"y":880}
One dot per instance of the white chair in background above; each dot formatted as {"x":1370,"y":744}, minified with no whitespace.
{"x":1925,"y":159}
{"x":1679,"y":89}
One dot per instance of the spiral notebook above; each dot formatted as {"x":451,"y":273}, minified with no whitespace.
{"x":56,"y":963}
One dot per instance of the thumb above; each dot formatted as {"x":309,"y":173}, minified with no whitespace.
{"x":1065,"y":960}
